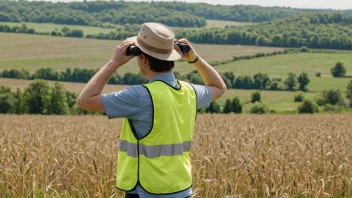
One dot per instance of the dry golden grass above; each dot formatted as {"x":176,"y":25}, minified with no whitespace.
{"x":232,"y":156}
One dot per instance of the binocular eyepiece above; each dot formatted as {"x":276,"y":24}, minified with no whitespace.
{"x":133,"y":50}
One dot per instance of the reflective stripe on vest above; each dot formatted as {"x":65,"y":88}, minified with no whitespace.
{"x":154,"y":151}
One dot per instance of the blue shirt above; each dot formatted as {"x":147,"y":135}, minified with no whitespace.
{"x":135,"y":104}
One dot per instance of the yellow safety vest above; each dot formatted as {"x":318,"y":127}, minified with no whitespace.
{"x":160,"y":161}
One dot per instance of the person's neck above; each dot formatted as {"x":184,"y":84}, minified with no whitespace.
{"x":152,"y":74}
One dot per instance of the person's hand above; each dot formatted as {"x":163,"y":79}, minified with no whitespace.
{"x":191,"y":55}
{"x":119,"y":58}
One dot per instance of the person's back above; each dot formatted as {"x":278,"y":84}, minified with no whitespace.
{"x":159,"y":116}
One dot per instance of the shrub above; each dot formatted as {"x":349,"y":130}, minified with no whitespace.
{"x":227,"y":107}
{"x":349,"y":92}
{"x":236,"y":106}
{"x":339,"y":70}
{"x":304,"y":49}
{"x":274,"y":86}
{"x":308,"y":106}
{"x":332,"y":108}
{"x":299,"y":97}
{"x":318,"y":74}
{"x":7,"y":103}
{"x":213,"y":108}
{"x":330,"y":96}
{"x":256,"y":97}
{"x":258,"y":108}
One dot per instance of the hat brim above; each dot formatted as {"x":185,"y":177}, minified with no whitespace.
{"x":176,"y":54}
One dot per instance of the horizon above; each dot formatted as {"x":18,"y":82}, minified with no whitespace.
{"x":300,"y":4}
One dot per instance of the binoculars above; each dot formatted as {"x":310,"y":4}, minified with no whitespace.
{"x":133,"y":50}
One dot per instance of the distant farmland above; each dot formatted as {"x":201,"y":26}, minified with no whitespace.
{"x":222,"y":24}
{"x":48,"y":27}
{"x":34,"y":51}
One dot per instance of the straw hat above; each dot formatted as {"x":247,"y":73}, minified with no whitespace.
{"x":157,"y":40}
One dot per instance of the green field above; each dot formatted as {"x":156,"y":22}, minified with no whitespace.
{"x":48,"y":27}
{"x":34,"y":51}
{"x":222,"y":24}
{"x":279,"y":66}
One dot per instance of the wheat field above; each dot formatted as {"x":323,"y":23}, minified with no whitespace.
{"x":232,"y":156}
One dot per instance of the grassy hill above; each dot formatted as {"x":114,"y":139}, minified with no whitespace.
{"x":279,"y":66}
{"x":222,"y":24}
{"x":33,"y":51}
{"x":48,"y":27}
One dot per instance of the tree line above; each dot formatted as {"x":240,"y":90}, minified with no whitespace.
{"x":241,"y":13}
{"x":260,"y":81}
{"x":329,"y":31}
{"x":326,"y":31}
{"x":97,"y":13}
{"x":39,"y":98}
{"x":328,"y":100}
{"x":65,"y":31}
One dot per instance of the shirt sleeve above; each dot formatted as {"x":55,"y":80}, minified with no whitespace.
{"x":122,"y":104}
{"x":204,"y":95}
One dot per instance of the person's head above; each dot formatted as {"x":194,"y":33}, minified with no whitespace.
{"x":149,"y":64}
{"x":156,"y":41}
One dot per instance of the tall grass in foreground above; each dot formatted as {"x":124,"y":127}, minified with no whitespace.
{"x":232,"y":156}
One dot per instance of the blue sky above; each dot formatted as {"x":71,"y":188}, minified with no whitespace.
{"x":325,"y":4}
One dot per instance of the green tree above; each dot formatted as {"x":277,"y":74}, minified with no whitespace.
{"x":277,"y":41}
{"x":258,"y":108}
{"x":227,"y":108}
{"x":330,"y":96}
{"x":339,"y":70}
{"x":7,"y":100}
{"x":214,"y":107}
{"x":349,"y":92}
{"x":37,"y":97}
{"x":299,"y":97}
{"x":20,"y":103}
{"x":261,"y":81}
{"x":58,"y":100}
{"x":303,"y":81}
{"x":308,"y":106}
{"x":256,"y":97}
{"x":48,"y":73}
{"x":291,"y":81}
{"x":71,"y":98}
{"x":236,"y":106}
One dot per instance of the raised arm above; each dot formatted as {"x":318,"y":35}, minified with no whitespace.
{"x":90,"y":97}
{"x":210,"y":76}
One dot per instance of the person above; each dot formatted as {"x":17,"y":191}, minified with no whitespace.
{"x":159,"y":117}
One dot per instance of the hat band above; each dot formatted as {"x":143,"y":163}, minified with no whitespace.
{"x":153,"y":49}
